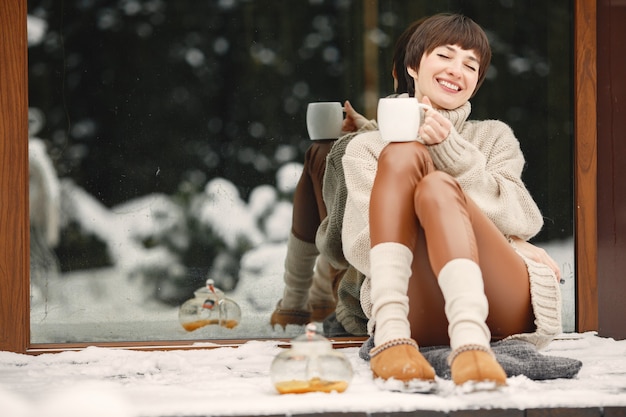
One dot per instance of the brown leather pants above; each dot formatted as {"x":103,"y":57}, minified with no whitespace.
{"x":308,"y":203}
{"x":426,"y":210}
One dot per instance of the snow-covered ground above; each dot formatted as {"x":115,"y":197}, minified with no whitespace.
{"x":100,"y":382}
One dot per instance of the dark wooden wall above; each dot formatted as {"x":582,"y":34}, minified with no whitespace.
{"x":611,"y":178}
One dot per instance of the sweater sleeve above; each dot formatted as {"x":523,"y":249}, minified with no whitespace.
{"x":328,"y":238}
{"x":360,"y":164}
{"x":489,"y":169}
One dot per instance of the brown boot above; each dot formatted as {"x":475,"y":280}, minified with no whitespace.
{"x":298,"y":276}
{"x":476,"y":364}
{"x":284,"y":316}
{"x":467,"y":307}
{"x":321,"y":310}
{"x":317,"y":313}
{"x":400,"y":359}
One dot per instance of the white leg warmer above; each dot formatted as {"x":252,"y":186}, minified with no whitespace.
{"x":299,"y":264}
{"x":390,"y":266}
{"x":322,"y":287}
{"x":466,"y":305}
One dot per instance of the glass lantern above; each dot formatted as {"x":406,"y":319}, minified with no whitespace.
{"x":310,"y":365}
{"x":209,"y":307}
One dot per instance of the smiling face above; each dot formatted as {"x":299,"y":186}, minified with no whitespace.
{"x":448,"y":76}
{"x":448,"y":56}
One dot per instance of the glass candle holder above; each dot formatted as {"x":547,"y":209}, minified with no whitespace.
{"x":209,"y":307}
{"x":310,"y":365}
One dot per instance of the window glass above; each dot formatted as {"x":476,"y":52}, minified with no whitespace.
{"x":166,"y":139}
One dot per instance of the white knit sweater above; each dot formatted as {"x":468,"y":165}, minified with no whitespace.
{"x":486,"y":159}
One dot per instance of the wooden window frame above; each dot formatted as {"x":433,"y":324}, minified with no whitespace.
{"x":14,"y":212}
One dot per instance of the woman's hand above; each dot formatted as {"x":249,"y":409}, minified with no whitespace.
{"x":435,"y":128}
{"x":353,"y":121}
{"x":537,"y":254}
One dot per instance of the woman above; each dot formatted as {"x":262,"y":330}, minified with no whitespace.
{"x":440,"y":229}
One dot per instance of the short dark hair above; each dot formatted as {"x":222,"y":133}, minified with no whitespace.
{"x":449,"y":29}
{"x":405,"y":82}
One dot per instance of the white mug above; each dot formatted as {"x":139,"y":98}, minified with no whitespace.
{"x":324,"y":120}
{"x":399,"y":118}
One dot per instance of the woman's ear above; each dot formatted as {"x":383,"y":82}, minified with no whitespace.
{"x":412,"y":72}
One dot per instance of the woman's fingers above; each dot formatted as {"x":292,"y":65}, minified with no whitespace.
{"x":436,"y":128}
{"x":540,"y":255}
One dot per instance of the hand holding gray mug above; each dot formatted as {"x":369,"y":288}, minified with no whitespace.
{"x":324,"y":120}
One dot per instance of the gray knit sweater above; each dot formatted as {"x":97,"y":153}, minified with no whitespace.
{"x":485,"y":157}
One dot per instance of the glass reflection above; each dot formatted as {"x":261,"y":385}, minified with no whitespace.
{"x":166,"y":140}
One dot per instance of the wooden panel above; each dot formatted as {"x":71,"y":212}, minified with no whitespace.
{"x":612,"y":171}
{"x":14,"y":223}
{"x":585,"y":165}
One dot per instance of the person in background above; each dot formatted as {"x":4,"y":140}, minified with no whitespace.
{"x":311,"y":279}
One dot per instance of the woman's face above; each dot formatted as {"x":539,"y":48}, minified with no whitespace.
{"x":447,"y":76}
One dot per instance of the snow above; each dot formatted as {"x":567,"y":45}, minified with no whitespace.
{"x":222,"y":381}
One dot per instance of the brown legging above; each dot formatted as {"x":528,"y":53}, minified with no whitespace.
{"x":309,"y":208}
{"x":308,"y":203}
{"x":426,"y":210}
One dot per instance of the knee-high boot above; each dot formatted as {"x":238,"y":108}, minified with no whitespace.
{"x":299,"y":265}
{"x":395,"y":354}
{"x":309,"y":286}
{"x":466,"y":307}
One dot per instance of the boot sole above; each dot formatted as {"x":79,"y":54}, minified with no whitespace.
{"x":422,"y":386}
{"x":416,"y":386}
{"x":477,"y":386}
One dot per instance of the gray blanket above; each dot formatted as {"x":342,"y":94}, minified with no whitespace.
{"x":516,"y":357}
